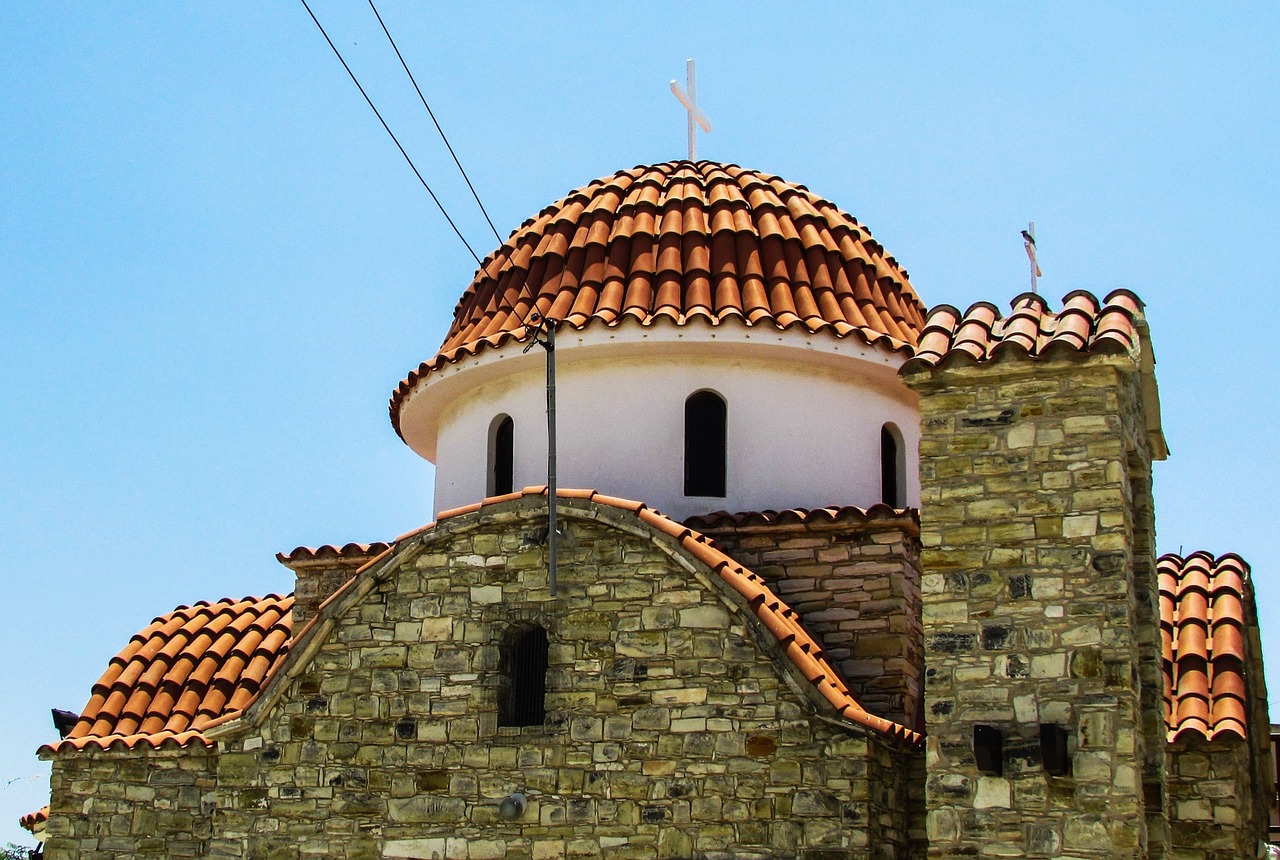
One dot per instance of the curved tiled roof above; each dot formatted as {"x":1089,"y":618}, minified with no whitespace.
{"x":678,"y":242}
{"x":186,"y":669}
{"x":329,"y":552}
{"x":1203,"y":614}
{"x":777,"y":617}
{"x":878,"y":512}
{"x":1084,"y":325}
{"x":31,"y":820}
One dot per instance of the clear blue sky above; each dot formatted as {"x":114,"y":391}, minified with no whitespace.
{"x":214,"y":266}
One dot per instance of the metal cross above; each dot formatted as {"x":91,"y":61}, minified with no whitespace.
{"x":1029,"y":242}
{"x":690,"y":102}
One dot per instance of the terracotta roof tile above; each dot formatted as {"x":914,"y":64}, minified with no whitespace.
{"x":155,"y":740}
{"x":187,"y":668}
{"x":980,"y":334}
{"x":682,"y":241}
{"x":32,"y":820}
{"x":779,"y":618}
{"x":746,"y":519}
{"x":349,"y":551}
{"x":1202,"y":620}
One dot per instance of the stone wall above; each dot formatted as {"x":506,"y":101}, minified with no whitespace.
{"x":674,"y":728}
{"x":855,"y":580}
{"x":116,"y":804}
{"x":1212,"y":800}
{"x":1038,"y":592}
{"x":319,"y":575}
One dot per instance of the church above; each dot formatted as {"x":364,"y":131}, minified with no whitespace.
{"x":821,"y":574}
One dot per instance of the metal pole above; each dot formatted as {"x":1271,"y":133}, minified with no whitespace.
{"x":1031,"y":230}
{"x":553,"y":536}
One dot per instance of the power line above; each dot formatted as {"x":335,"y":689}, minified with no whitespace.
{"x":394,"y":139}
{"x":542,"y":331}
{"x":502,"y":249}
{"x":432,"y":114}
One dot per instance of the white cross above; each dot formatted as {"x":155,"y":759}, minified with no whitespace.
{"x":690,"y":102}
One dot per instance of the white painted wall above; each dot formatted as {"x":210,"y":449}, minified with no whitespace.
{"x":804,"y":417}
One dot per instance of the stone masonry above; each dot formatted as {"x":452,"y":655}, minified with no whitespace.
{"x":854,"y":578}
{"x":320,"y":575}
{"x":1038,"y":594}
{"x":140,"y":802}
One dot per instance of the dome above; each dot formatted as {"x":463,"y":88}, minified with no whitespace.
{"x":680,"y":242}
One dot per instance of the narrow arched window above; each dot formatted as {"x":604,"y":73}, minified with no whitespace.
{"x":893,"y":472}
{"x":522,"y":696}
{"x":501,"y":456}
{"x":704,"y":444}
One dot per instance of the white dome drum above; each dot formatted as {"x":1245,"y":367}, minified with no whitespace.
{"x":725,"y":341}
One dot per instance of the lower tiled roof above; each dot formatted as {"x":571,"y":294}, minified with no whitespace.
{"x":1204,"y":603}
{"x":200,"y":666}
{"x":184,"y":670}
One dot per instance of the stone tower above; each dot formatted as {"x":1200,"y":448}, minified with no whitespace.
{"x":1043,"y":692}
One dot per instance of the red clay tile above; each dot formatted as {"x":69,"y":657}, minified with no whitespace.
{"x":747,"y":519}
{"x":326,"y":552}
{"x":182,"y":670}
{"x":32,"y":820}
{"x":980,"y":334}
{"x":1203,"y":604}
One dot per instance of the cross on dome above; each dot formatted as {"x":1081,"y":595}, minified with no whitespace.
{"x":690,"y":101}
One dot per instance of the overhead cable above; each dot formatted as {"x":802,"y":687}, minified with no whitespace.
{"x":432,"y":114}
{"x":394,"y":139}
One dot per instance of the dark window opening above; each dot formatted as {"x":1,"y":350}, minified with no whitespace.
{"x":892,"y":472}
{"x":502,"y":457}
{"x":522,"y":698}
{"x":988,"y":749}
{"x":1053,"y":749}
{"x":704,"y":445}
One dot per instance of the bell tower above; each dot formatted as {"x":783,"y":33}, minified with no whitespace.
{"x":1042,"y":684}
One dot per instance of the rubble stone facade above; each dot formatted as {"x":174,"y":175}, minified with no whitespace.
{"x":132,"y":803}
{"x":673,"y":727}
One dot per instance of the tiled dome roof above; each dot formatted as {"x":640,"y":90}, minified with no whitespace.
{"x":685,"y":241}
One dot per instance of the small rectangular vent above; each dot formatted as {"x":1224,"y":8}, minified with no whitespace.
{"x":988,"y":749}
{"x":1053,"y":749}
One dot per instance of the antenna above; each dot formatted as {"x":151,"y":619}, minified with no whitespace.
{"x":1029,"y":242}
{"x":690,"y":102}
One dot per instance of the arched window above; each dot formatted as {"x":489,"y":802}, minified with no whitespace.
{"x":523,"y":693}
{"x":893,"y":471}
{"x":501,"y":456}
{"x":704,"y":444}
